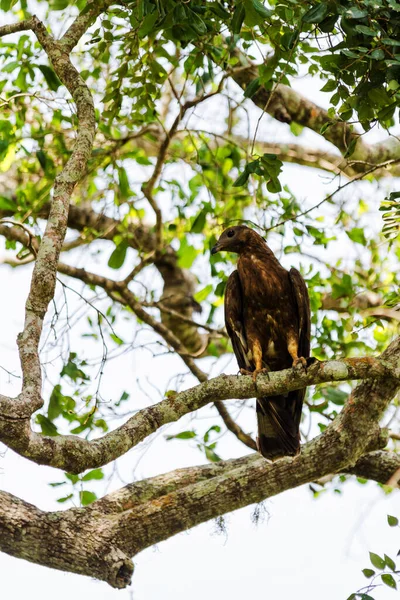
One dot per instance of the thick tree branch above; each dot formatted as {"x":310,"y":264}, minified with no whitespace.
{"x":75,"y":455}
{"x":380,"y":466}
{"x":82,"y":23}
{"x":45,"y":270}
{"x":126,"y":522}
{"x":141,"y":514}
{"x":55,"y":540}
{"x":287,"y":105}
{"x":44,"y":273}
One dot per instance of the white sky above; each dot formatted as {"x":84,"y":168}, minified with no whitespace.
{"x":306,"y":548}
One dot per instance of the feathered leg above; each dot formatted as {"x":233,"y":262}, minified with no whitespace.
{"x":293,"y":349}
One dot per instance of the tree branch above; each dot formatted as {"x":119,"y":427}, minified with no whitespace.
{"x":287,"y":105}
{"x":75,"y":455}
{"x":82,"y":23}
{"x":44,"y":273}
{"x":140,"y":515}
{"x":143,"y":513}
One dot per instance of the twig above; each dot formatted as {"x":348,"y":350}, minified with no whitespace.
{"x":174,"y":313}
{"x":147,"y":188}
{"x":339,"y":189}
{"x":31,"y":238}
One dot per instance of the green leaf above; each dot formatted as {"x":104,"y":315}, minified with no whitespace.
{"x":336,"y":396}
{"x":9,"y":67}
{"x":238,"y":18}
{"x":215,"y":428}
{"x":204,"y":293}
{"x":148,"y":24}
{"x":186,"y":254}
{"x":357,"y":235}
{"x":242,"y":179}
{"x":260,"y":9}
{"x":390,"y":562}
{"x":65,"y":498}
{"x":368,"y":573}
{"x":388,"y":579}
{"x":274,"y":186}
{"x":316,"y":14}
{"x":199,"y":222}
{"x":7,"y":4}
{"x":355,"y":13}
{"x":72,"y":368}
{"x":211,"y":455}
{"x":295,"y":128}
{"x":366,"y":30}
{"x":42,"y":159}
{"x":393,"y":521}
{"x":50,"y":76}
{"x":329,"y":86}
{"x":117,"y":257}
{"x":351,"y":147}
{"x":116,"y":339}
{"x":59,"y":4}
{"x":252,"y":88}
{"x":376,"y":560}
{"x":291,"y":249}
{"x":349,"y":53}
{"x":220,"y":289}
{"x":72,"y":478}
{"x":47,"y":427}
{"x":184,"y":435}
{"x":87,"y":497}
{"x":7,"y":204}
{"x":55,"y":409}
{"x":95,"y":474}
{"x":124,"y":396}
{"x":377,"y":54}
{"x":197,"y":23}
{"x":123,"y":181}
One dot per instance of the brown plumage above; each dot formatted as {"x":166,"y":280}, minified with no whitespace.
{"x":267,"y":316}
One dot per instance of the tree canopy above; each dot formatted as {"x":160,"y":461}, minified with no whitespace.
{"x":131,"y":133}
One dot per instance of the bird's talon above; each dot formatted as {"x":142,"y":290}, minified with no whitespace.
{"x":257,"y":372}
{"x":245,"y":372}
{"x":300,"y":361}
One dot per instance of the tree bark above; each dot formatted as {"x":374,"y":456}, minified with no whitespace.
{"x":142,"y":514}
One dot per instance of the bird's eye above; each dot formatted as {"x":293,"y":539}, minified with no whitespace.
{"x":230,"y":233}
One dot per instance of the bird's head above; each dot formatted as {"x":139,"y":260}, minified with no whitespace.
{"x":235,"y":239}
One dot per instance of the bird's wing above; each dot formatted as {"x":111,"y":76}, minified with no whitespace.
{"x":234,"y":321}
{"x":303,"y":309}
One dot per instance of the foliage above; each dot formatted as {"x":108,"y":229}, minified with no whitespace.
{"x":385,"y":571}
{"x":174,"y":109}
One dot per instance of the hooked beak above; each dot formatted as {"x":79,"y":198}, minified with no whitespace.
{"x":215,"y":248}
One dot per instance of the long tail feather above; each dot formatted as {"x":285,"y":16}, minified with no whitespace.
{"x":278,"y":419}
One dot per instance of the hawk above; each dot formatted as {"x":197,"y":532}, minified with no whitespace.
{"x":267,"y":317}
